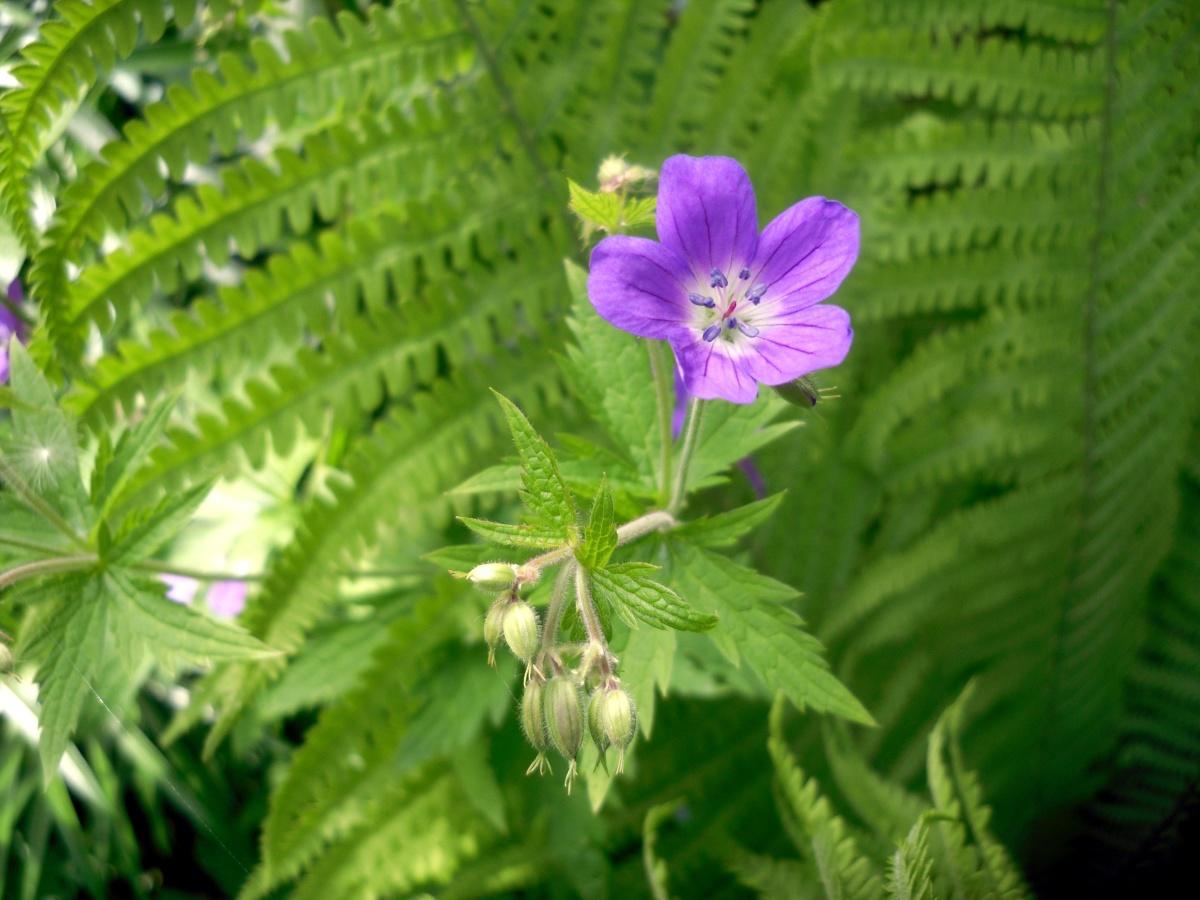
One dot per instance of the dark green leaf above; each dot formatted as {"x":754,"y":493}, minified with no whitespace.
{"x":626,"y":587}
{"x":724,"y":529}
{"x":545,"y":492}
{"x":514,"y":535}
{"x":600,"y":539}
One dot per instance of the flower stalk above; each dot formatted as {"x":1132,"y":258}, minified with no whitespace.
{"x":690,"y":434}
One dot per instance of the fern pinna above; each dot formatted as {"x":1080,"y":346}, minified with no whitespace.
{"x":324,"y":241}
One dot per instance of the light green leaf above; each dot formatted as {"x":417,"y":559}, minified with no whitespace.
{"x":646,"y":663}
{"x":170,"y":629}
{"x":910,"y":869}
{"x":758,"y":626}
{"x":147,"y":530}
{"x":69,"y":641}
{"x":130,"y":451}
{"x":625,"y":587}
{"x":545,"y":492}
{"x":639,"y":212}
{"x":724,"y":529}
{"x":600,"y":539}
{"x":514,"y":535}
{"x":610,"y":373}
{"x":596,"y":209}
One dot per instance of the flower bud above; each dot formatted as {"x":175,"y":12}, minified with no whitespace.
{"x":493,"y":576}
{"x":595,"y":727}
{"x":617,"y":717}
{"x":493,"y":627}
{"x":520,"y":628}
{"x":533,"y":723}
{"x":564,"y":721}
{"x":801,"y":392}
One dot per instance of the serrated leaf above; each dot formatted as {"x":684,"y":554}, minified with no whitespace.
{"x":506,"y":535}
{"x":600,"y":538}
{"x":114,"y":471}
{"x":545,"y":492}
{"x":147,"y":530}
{"x":172,"y":629}
{"x":646,"y":663}
{"x":69,"y":642}
{"x":731,"y":431}
{"x":626,"y":587}
{"x":724,"y":529}
{"x":910,"y":869}
{"x":757,"y":626}
{"x":639,"y":212}
{"x":459,"y":557}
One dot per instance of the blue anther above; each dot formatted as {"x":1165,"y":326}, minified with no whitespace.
{"x":756,"y":293}
{"x":747,"y":330}
{"x":711,"y":332}
{"x":717,"y":279}
{"x":744,"y":274}
{"x":699,"y":300}
{"x":733,"y":322}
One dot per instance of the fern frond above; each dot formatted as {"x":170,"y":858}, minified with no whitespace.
{"x":71,"y":52}
{"x":396,"y":50}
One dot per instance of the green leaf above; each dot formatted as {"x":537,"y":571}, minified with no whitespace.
{"x":41,"y":448}
{"x":724,"y":529}
{"x":545,"y":492}
{"x":597,"y":209}
{"x":170,"y":629}
{"x":731,"y":431}
{"x":646,"y":663}
{"x":131,"y":450}
{"x":514,"y":535}
{"x":610,"y":373}
{"x":910,"y":869}
{"x":147,"y":530}
{"x":758,"y":626}
{"x":639,"y":212}
{"x":69,"y":641}
{"x":600,"y":539}
{"x":459,"y":557}
{"x":624,"y":587}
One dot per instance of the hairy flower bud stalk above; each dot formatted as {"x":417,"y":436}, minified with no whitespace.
{"x":491,"y":577}
{"x":564,"y":721}
{"x":533,"y":723}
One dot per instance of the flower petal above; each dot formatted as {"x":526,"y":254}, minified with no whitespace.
{"x":639,"y":286}
{"x":806,"y":251}
{"x":707,"y":213}
{"x":806,"y":340}
{"x":713,"y":370}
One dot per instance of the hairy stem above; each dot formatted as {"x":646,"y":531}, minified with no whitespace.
{"x":662,"y":395}
{"x":554,"y":611}
{"x":591,"y":621}
{"x":691,"y":432}
{"x":46,"y":567}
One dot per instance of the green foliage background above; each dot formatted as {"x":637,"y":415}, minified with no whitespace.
{"x":324,"y":233}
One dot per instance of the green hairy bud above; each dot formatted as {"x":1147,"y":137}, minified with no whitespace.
{"x":612,"y":721}
{"x":493,"y":576}
{"x":533,"y":723}
{"x":564,"y":721}
{"x":493,"y":627}
{"x":520,"y":626}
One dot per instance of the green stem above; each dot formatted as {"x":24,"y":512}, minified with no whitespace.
{"x":554,"y":611}
{"x":659,"y":370}
{"x":591,"y":621}
{"x":46,"y":567}
{"x":169,"y":568}
{"x":38,"y":505}
{"x":35,"y":546}
{"x":691,"y":432}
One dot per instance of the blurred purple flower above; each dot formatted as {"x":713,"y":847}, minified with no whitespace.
{"x":180,"y":588}
{"x":227,"y":599}
{"x":737,"y":307}
{"x":10,"y":324}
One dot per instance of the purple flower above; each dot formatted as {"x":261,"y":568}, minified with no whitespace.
{"x":180,"y":588}
{"x":227,"y":599}
{"x":10,"y":324}
{"x":737,"y":307}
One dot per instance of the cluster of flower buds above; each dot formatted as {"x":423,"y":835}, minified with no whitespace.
{"x":509,"y":617}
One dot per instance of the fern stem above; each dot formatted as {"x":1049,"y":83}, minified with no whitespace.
{"x":662,"y":396}
{"x":691,"y":432}
{"x":46,"y":567}
{"x":38,"y":505}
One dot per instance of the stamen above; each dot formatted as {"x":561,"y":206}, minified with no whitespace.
{"x":747,"y":330}
{"x":698,"y":300}
{"x":717,"y":279}
{"x":733,"y":322}
{"x":711,"y":333}
{"x":744,"y":274}
{"x":756,"y":293}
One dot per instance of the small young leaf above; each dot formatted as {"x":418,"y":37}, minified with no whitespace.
{"x":514,"y":535}
{"x":626,"y":588}
{"x":724,"y":529}
{"x":545,"y":492}
{"x":596,"y":209}
{"x":116,"y":470}
{"x":600,"y":539}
